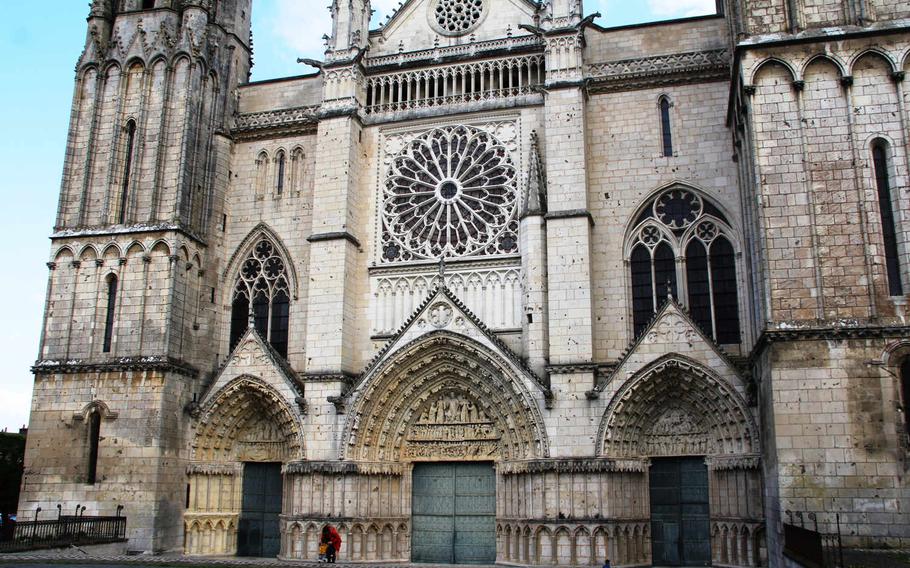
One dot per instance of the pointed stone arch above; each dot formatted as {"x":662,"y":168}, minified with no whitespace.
{"x":259,"y":232}
{"x":247,"y":420}
{"x":675,"y":406}
{"x":443,"y":396}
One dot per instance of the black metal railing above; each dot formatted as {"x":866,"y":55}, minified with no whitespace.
{"x":65,"y":530}
{"x":804,"y":543}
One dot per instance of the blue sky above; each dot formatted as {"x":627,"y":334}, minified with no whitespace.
{"x":40,"y":50}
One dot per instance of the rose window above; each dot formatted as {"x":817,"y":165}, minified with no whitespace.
{"x":450,"y":193}
{"x":678,"y":208}
{"x":455,"y":17}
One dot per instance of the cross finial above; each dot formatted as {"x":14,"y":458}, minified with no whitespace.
{"x":669,"y":290}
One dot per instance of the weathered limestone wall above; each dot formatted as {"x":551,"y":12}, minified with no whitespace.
{"x":833,"y":442}
{"x":627,"y":166}
{"x":160,"y":305}
{"x":142,"y":455}
{"x":839,"y":439}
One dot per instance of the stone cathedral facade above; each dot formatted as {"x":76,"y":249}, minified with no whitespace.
{"x":494,"y":284}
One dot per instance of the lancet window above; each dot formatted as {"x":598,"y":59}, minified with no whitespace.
{"x":282,"y":166}
{"x":666,"y":127}
{"x":94,"y":438}
{"x":682,"y":246}
{"x":886,"y":211}
{"x":261,"y":295}
{"x":109,"y":317}
{"x":127,"y":170}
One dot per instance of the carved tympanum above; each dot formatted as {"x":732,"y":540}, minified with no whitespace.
{"x":452,"y":425}
{"x":676,"y":432}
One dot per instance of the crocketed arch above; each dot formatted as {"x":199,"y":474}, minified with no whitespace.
{"x":674,"y":406}
{"x":240,"y":405}
{"x":393,"y":397}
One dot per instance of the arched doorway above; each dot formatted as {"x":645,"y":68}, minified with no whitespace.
{"x":449,"y":409}
{"x":244,"y":433}
{"x":702,"y":443}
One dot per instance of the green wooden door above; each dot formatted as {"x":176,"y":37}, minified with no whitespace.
{"x":680,"y":516}
{"x":259,"y":532}
{"x":454,"y":513}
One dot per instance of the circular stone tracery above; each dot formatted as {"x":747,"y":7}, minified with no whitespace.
{"x":678,"y":208}
{"x":457,"y":17}
{"x":451,"y":192}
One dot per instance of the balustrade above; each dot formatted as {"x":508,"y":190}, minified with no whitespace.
{"x":455,"y":84}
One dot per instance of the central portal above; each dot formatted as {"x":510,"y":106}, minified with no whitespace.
{"x":454,"y":513}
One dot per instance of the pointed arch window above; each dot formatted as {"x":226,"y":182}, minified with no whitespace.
{"x":127,"y":170}
{"x":682,"y":242}
{"x":282,"y":167}
{"x":666,"y":127}
{"x":262,"y":172}
{"x":94,"y":439}
{"x":297,"y":170}
{"x":261,"y":295}
{"x":109,"y":317}
{"x":886,"y":210}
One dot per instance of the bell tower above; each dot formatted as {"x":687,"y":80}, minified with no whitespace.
{"x":125,"y":343}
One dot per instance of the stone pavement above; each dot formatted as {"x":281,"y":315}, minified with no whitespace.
{"x":88,"y":560}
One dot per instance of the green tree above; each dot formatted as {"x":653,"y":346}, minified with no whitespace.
{"x":12,"y":462}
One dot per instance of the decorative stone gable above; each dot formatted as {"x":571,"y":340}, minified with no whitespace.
{"x":442,"y":311}
{"x":445,"y":388}
{"x":426,"y":24}
{"x":673,"y":331}
{"x":254,"y":357}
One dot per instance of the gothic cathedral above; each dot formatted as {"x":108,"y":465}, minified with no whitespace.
{"x":494,"y":284}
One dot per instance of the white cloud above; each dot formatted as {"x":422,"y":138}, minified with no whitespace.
{"x":681,"y":8}
{"x":300,"y":26}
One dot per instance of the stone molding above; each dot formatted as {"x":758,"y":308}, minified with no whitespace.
{"x":574,"y":465}
{"x":163,"y":364}
{"x":200,"y":468}
{"x":343,"y":468}
{"x":676,"y":68}
{"x":832,"y":332}
{"x":285,"y":122}
{"x":116,"y":230}
{"x":571,"y":214}
{"x":730,"y":463}
{"x":330,"y":377}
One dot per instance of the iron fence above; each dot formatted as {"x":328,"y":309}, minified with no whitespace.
{"x":804,"y":543}
{"x":65,"y":530}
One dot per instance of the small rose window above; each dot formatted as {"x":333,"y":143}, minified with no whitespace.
{"x":456,"y":17}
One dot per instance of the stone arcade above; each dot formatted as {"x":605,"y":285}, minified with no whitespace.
{"x":494,"y":284}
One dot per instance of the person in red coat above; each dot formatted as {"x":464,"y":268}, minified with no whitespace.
{"x":331,"y":537}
